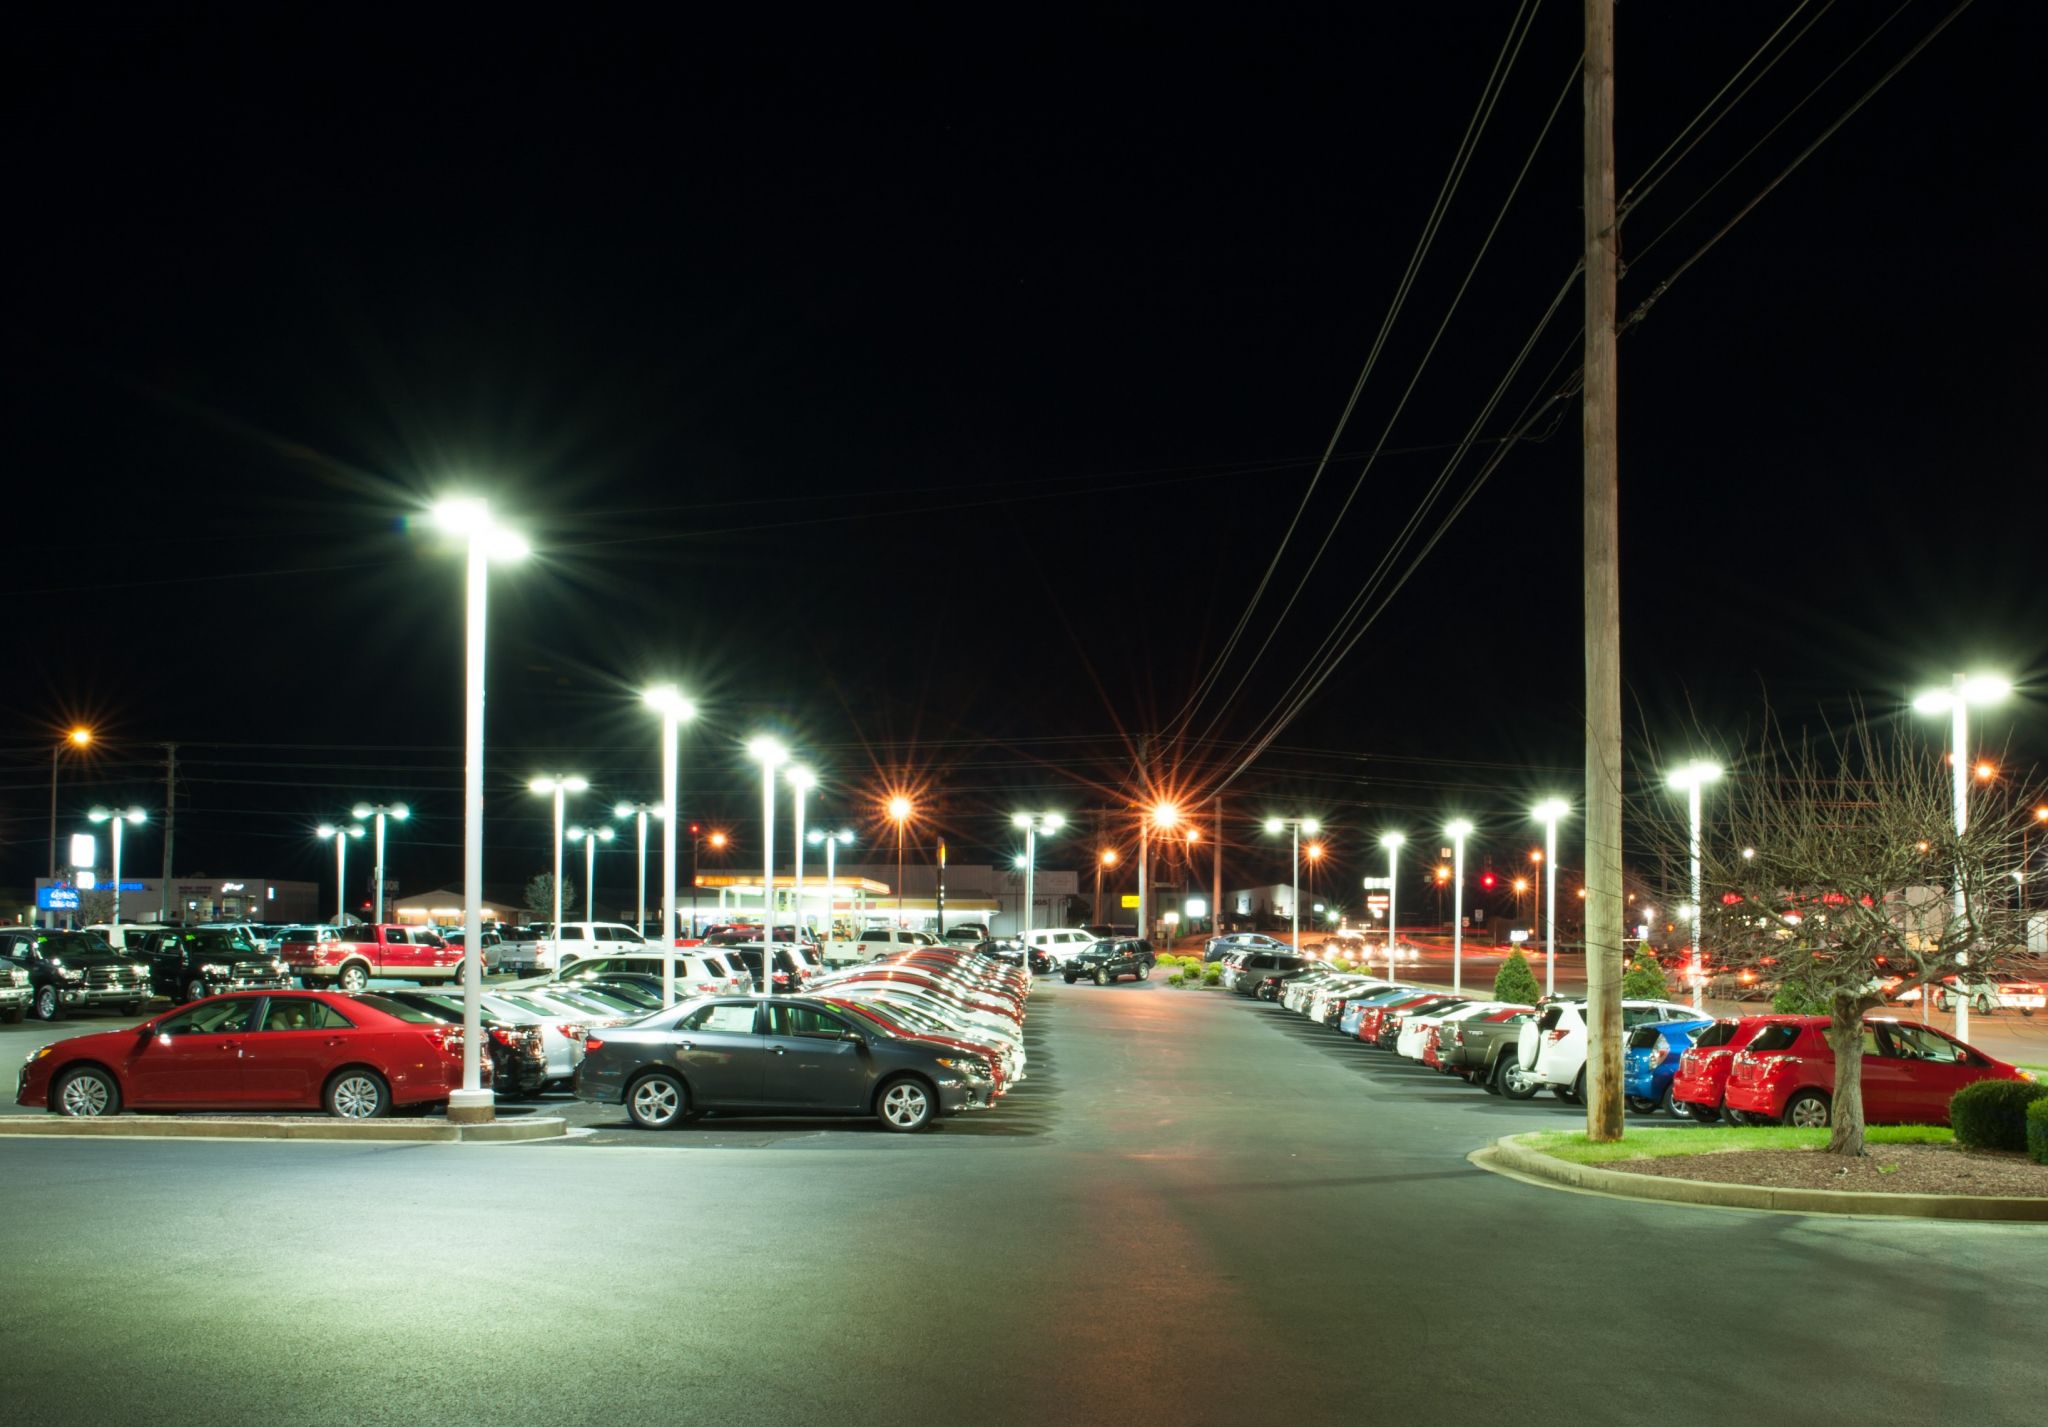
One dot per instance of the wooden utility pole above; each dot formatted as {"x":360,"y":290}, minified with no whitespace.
{"x":165,"y":894}
{"x":1603,"y":594}
{"x":1216,"y":906}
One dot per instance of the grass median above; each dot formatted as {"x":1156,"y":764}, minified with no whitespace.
{"x":1661,"y":1143}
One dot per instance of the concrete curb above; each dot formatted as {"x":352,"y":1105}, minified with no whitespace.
{"x":203,"y":1127}
{"x":1509,"y":1156}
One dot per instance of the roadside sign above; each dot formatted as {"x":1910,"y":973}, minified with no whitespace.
{"x":1518,"y":936}
{"x":1372,"y":882}
{"x":1130,"y":900}
{"x":57,"y":899}
{"x":1377,"y":901}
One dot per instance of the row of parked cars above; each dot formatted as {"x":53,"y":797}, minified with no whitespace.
{"x":1768,"y":1069}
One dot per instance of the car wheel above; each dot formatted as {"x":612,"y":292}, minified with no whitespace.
{"x":905,"y":1105}
{"x":1101,"y":976}
{"x":1942,"y":1000}
{"x":657,"y":1101}
{"x":354,"y":978}
{"x":2024,"y":1011}
{"x":195,"y":990}
{"x":1982,"y":1005}
{"x":1513,"y":1083}
{"x":47,"y":1005}
{"x":1069,"y":978}
{"x":86,"y":1093}
{"x":1641,"y":1105}
{"x":357,"y":1094}
{"x":1808,"y":1110}
{"x":1578,"y":1095}
{"x":1145,"y":974}
{"x":1734,"y":1119}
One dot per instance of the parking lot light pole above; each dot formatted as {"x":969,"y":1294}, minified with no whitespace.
{"x":117,"y":816}
{"x":1458,"y":830}
{"x":1392,"y":843}
{"x":80,"y":737}
{"x":833,"y":841}
{"x":470,"y":521}
{"x":590,"y":837}
{"x":1162,"y":816}
{"x":1297,"y":826}
{"x":1106,"y":858}
{"x":397,"y":812}
{"x":1690,"y":780}
{"x":899,"y":813}
{"x":559,"y":787}
{"x":639,"y":813}
{"x":675,"y":711}
{"x":801,"y":781}
{"x":771,"y":755}
{"x":1032,"y":823}
{"x":1550,"y":812}
{"x":1955,"y":700}
{"x":341,"y":835}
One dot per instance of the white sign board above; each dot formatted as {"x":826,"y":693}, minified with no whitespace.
{"x":85,"y":850}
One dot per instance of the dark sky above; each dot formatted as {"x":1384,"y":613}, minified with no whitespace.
{"x":937,"y":388}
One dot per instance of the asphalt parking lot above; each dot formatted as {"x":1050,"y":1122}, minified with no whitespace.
{"x":1198,"y":1210}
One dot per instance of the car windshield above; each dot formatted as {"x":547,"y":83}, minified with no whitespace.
{"x":1719,"y":1033}
{"x":74,"y":944}
{"x":1642,"y":1038}
{"x":398,"y":1010}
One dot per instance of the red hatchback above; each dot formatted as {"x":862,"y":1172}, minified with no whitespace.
{"x":353,"y":1056}
{"x":1787,"y":1073}
{"x":1703,"y":1070}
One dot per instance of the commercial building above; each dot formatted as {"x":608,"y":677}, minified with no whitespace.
{"x":183,"y":899}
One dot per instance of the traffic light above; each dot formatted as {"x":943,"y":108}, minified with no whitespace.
{"x":1486,"y":880}
{"x":695,"y":829}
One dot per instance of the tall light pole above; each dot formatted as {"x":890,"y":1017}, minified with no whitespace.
{"x":1106,"y":858}
{"x":1297,"y":826}
{"x":675,"y":710}
{"x":833,"y":841}
{"x":899,"y":813}
{"x":397,"y":812}
{"x":1163,"y":816}
{"x":558,"y":787}
{"x":1457,"y":830}
{"x":117,"y":816}
{"x":80,"y":737}
{"x":1032,"y":823}
{"x":801,"y":781}
{"x":640,"y":813}
{"x":1690,"y":780}
{"x":1550,"y":812}
{"x":341,"y":835}
{"x":590,"y":837}
{"x":1314,"y":853}
{"x":771,"y":755}
{"x":1392,"y":843}
{"x":1955,"y":700}
{"x":470,"y":521}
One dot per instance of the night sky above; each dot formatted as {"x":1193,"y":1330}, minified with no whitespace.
{"x":935,"y":388}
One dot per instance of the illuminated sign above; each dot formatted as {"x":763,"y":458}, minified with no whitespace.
{"x":57,"y":899}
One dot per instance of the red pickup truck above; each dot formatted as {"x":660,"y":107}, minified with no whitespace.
{"x":394,"y":953}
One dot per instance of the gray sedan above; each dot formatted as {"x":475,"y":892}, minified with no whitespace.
{"x":782,"y":1055}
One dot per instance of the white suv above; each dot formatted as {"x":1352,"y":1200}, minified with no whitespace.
{"x":1056,"y":944}
{"x":1552,"y":1047}
{"x":578,"y":941}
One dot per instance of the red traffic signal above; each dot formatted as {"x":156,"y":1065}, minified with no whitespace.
{"x":695,"y":829}
{"x":1486,"y":880}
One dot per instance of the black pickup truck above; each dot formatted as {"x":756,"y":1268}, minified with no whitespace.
{"x":1105,"y":961}
{"x":72,"y":971}
{"x":188,"y":963}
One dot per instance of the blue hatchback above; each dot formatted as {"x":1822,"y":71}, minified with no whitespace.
{"x":1354,"y":1011}
{"x":1651,"y":1062}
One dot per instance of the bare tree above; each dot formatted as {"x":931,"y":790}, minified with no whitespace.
{"x":1833,"y":863}
{"x":540,"y":894}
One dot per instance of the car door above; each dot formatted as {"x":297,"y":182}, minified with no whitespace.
{"x":297,"y":1042}
{"x":721,"y":1051}
{"x":1931,"y":1069}
{"x":194,"y":1056}
{"x":812,"y":1061}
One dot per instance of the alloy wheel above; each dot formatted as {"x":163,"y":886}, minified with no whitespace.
{"x":905,"y":1105}
{"x":357,"y":1097}
{"x":85,"y":1096}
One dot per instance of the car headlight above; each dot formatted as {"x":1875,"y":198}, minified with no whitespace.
{"x":36,"y":1055}
{"x":138,"y":968}
{"x":212,"y":968}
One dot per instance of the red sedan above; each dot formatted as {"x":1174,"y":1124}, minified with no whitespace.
{"x":1909,"y":1073}
{"x":353,"y":1056}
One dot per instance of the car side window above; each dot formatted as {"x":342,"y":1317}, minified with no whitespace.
{"x":302,"y":1013}
{"x":725,"y":1017}
{"x":1915,"y":1044}
{"x":804,"y":1021}
{"x":211,"y":1018}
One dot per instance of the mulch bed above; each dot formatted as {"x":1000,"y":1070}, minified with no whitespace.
{"x":1884,"y":1169}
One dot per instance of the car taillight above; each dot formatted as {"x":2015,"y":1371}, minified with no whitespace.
{"x":592,"y":1043}
{"x":574,"y":1032}
{"x":1458,"y":1037}
{"x":451,"y":1041}
{"x":1558,"y":1035}
{"x":1661,"y":1054}
{"x":503,"y":1036}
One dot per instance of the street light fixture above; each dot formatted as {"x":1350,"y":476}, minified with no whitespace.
{"x":79,"y":737}
{"x":590,"y":837}
{"x":1107,"y":858}
{"x":771,"y":755}
{"x":1032,"y":823}
{"x":833,"y":842}
{"x":1691,"y":780}
{"x":117,"y":816}
{"x":675,"y":711}
{"x":1163,"y":817}
{"x":397,"y":812}
{"x":900,"y":809}
{"x":1457,"y":830}
{"x":1295,"y":826}
{"x":1550,"y":812}
{"x":341,"y":835}
{"x":469,"y":520}
{"x":1963,"y":691}
{"x":558,"y":787}
{"x":1392,"y":843}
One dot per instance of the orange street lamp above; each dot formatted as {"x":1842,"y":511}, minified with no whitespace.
{"x":900,"y":810}
{"x":78,"y":737}
{"x":1107,"y":859}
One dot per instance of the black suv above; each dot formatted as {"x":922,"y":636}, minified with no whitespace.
{"x":1107,"y":960}
{"x":188,"y":963}
{"x":74,"y":970}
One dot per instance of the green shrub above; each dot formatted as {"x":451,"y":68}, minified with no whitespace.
{"x":1212,"y":975}
{"x":1515,"y":982}
{"x":1165,"y":958}
{"x":2037,"y":1131}
{"x":1176,"y":980}
{"x":1644,"y":979}
{"x":1796,"y":998}
{"x":1992,"y":1114}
